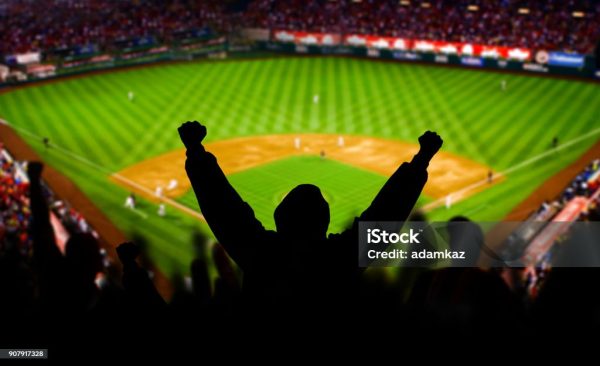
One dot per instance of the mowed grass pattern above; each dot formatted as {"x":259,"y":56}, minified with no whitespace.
{"x":348,"y":190}
{"x":93,"y":119}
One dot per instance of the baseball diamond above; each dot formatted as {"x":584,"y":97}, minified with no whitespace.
{"x":270,"y":132}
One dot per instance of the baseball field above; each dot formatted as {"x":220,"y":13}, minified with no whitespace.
{"x":343,"y":124}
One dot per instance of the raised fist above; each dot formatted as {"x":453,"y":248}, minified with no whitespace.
{"x":192,"y":134}
{"x":34,"y":170}
{"x":128,"y":252}
{"x":430,"y":143}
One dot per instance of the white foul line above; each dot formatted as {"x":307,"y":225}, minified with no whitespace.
{"x":512,"y":169}
{"x":427,"y":207}
{"x":123,"y":179}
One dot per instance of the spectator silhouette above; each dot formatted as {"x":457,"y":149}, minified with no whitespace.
{"x":465,"y":297}
{"x":201,"y":281}
{"x":465,"y":236}
{"x":298,"y":264}
{"x":67,"y":283}
{"x":226,"y":285}
{"x":139,"y":289}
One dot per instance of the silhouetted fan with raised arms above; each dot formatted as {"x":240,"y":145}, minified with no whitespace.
{"x":298,"y":264}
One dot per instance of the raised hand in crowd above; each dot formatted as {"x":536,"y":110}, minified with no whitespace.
{"x":139,"y":288}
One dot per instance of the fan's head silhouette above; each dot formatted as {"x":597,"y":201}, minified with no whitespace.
{"x":83,"y":256}
{"x":303,"y":213}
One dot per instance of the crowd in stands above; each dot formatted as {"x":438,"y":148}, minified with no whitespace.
{"x":26,"y":25}
{"x":548,"y":24}
{"x":61,"y":295}
{"x":14,"y":203}
{"x":32,"y":26}
{"x":15,"y":207}
{"x":585,"y":184}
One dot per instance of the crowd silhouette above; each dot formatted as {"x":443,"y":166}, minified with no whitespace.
{"x":295,"y":273}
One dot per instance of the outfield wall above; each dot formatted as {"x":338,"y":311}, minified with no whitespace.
{"x":214,"y":48}
{"x":588,"y":71}
{"x":220,"y":48}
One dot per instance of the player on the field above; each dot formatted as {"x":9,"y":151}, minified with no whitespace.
{"x":130,"y":96}
{"x":298,"y":265}
{"x":503,"y":85}
{"x":490,"y":176}
{"x":162,"y":210}
{"x":341,"y":141}
{"x":172,"y":184}
{"x":46,"y":142}
{"x":316,"y":98}
{"x":130,"y":201}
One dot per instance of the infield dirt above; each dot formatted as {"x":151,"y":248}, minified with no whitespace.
{"x":448,"y":173}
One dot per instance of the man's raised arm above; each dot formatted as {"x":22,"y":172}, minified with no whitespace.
{"x":45,"y":251}
{"x":396,"y":199}
{"x":229,"y":217}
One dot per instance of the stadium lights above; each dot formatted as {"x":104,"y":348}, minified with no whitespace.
{"x":404,"y":2}
{"x":578,"y":14}
{"x":473,"y":8}
{"x":425,"y":5}
{"x":523,"y":11}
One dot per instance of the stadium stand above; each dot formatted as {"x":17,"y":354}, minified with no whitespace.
{"x":13,"y":202}
{"x":572,"y":25}
{"x":537,"y":240}
{"x":16,"y":215}
{"x":26,"y":26}
{"x":566,"y":25}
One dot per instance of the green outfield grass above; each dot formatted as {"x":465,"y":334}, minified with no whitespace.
{"x":93,"y":119}
{"x":348,"y":190}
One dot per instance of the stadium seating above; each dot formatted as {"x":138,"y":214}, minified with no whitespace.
{"x":26,"y":26}
{"x":551,"y":25}
{"x":16,"y":214}
{"x":14,"y":205}
{"x":584,"y":185}
{"x":572,"y":25}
